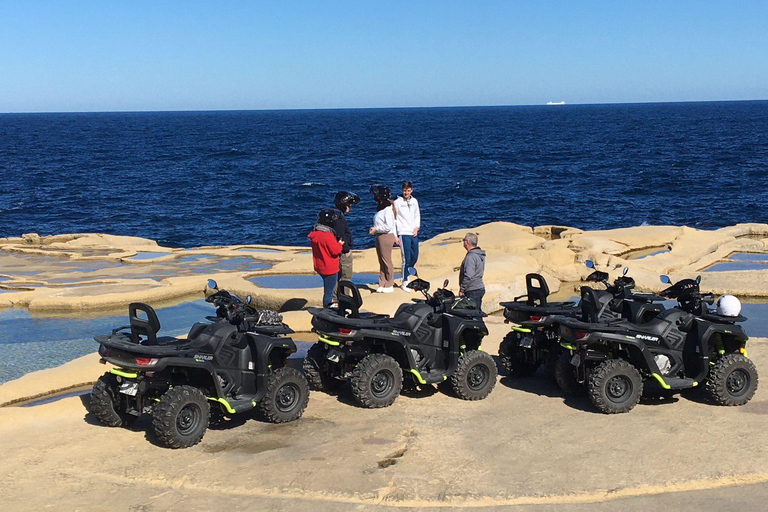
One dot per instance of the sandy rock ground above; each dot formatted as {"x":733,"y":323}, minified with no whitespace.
{"x":526,"y":447}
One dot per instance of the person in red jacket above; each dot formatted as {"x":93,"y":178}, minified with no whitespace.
{"x":326,"y":250}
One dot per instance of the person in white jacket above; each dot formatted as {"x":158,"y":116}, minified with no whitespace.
{"x":408,"y":223}
{"x":384,"y":229}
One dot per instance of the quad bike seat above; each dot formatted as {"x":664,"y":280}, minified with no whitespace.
{"x":369,"y":321}
{"x":592,"y":312}
{"x":143,"y":330}
{"x":536,"y":295}
{"x":350,"y":301}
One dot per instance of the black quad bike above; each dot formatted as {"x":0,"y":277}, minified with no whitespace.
{"x":233,"y":363}
{"x":682,"y":348}
{"x":534,"y":339}
{"x":426,"y":342}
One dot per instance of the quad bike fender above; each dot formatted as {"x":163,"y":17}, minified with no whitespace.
{"x":717,"y":340}
{"x":270,"y":353}
{"x":721,"y":338}
{"x":641,"y":357}
{"x":463,"y":331}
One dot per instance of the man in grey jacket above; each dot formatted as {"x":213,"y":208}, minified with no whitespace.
{"x":471,"y":272}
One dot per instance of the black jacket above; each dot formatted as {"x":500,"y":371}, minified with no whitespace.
{"x":341,"y":228}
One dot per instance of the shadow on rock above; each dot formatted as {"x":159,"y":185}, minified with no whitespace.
{"x":295,"y":304}
{"x":542,"y":387}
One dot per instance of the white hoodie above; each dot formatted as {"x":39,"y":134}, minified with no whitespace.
{"x":408,"y":215}
{"x":384,"y":221}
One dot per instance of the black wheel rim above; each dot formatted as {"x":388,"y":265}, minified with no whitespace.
{"x":188,"y":419}
{"x":737,"y":383}
{"x":382,"y":384}
{"x":287,"y":397}
{"x":618,"y":388}
{"x":478,"y":377}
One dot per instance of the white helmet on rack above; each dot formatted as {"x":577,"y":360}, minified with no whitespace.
{"x":728,"y":305}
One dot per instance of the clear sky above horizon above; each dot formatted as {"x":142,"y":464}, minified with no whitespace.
{"x":193,"y":55}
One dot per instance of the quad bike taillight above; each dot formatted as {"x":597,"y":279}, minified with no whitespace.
{"x":146,"y":361}
{"x":535,"y":318}
{"x":580,"y":334}
{"x":346,"y":332}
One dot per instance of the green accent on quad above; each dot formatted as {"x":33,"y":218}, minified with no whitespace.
{"x":568,"y":346}
{"x":661,"y":380}
{"x":328,"y":341}
{"x":520,"y":329}
{"x":223,"y":401}
{"x":418,"y":376}
{"x":123,"y":373}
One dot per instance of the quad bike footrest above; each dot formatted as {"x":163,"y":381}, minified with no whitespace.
{"x":679,"y":383}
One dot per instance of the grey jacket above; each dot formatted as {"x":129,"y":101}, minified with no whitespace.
{"x":471,"y":272}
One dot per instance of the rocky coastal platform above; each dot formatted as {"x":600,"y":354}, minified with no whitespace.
{"x":90,"y":272}
{"x":526,"y":447}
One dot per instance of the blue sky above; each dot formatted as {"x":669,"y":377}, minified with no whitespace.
{"x":172,"y":55}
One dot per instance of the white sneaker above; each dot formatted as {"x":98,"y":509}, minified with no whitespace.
{"x":405,"y":289}
{"x":380,"y":289}
{"x":388,"y":289}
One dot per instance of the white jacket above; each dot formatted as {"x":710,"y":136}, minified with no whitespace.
{"x":408,"y":215}
{"x":384,"y":221}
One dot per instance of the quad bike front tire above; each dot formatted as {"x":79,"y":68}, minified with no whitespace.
{"x":512,"y":357}
{"x":286,"y":397}
{"x":615,"y":386}
{"x":181,"y":417}
{"x":731,"y":381}
{"x":315,"y":368}
{"x":565,"y":376}
{"x":475,"y":375}
{"x":106,"y":404}
{"x":376,"y":381}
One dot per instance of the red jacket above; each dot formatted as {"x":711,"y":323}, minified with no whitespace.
{"x":325,"y":252}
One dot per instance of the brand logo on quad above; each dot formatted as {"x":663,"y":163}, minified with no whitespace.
{"x":646,"y":337}
{"x":201,"y":358}
{"x":400,"y":333}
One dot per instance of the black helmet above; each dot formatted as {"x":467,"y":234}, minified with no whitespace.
{"x":380,"y":193}
{"x":344,"y":199}
{"x":328,"y":216}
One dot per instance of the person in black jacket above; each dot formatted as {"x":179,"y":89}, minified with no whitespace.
{"x":343,"y":201}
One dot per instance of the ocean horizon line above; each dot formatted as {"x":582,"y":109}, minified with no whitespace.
{"x":341,"y":109}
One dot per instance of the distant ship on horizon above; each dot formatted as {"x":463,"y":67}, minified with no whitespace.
{"x":555,"y":103}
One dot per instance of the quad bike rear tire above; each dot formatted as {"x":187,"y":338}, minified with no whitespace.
{"x":475,"y":375}
{"x":314,"y":367}
{"x":615,"y":386}
{"x":550,"y":364}
{"x":565,"y":376}
{"x":512,"y":357}
{"x":181,"y":417}
{"x":376,"y":381}
{"x":106,"y":403}
{"x":286,"y":397}
{"x":731,"y":381}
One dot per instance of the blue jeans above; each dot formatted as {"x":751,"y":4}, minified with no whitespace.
{"x":477,"y":296}
{"x":409,"y":244}
{"x":329,"y":285}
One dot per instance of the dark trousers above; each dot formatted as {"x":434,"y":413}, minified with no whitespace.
{"x":329,"y":285}
{"x":345,"y":263}
{"x":410,"y":247}
{"x":477,"y":296}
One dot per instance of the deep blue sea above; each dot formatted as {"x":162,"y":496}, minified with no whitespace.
{"x":210,"y":178}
